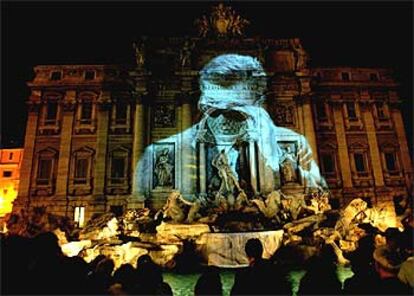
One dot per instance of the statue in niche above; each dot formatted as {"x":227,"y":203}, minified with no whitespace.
{"x":288,"y":166}
{"x":225,"y":172}
{"x":300,"y":54}
{"x":164,"y":169}
{"x":185,"y":53}
{"x":139,"y":53}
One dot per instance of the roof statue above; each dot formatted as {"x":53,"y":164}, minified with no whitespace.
{"x":223,"y":21}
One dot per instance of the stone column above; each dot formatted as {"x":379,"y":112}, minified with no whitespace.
{"x":23,"y":198}
{"x":202,"y":168}
{"x":402,"y":140}
{"x":65,"y":145}
{"x":187,"y":155}
{"x":138,"y":147}
{"x":342,"y":144}
{"x":253,"y":166}
{"x":101,"y":146}
{"x":373,"y":146}
{"x":309,"y":128}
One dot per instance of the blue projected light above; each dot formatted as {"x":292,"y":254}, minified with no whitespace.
{"x":235,"y":146}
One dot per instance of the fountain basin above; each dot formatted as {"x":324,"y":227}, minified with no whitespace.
{"x":226,"y":250}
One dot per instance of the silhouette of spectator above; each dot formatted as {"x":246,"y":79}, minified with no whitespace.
{"x":406,"y":272}
{"x":92,"y":265}
{"x":46,"y":269}
{"x":125,"y":275}
{"x":321,"y":277}
{"x":365,"y":279}
{"x":209,"y":283}
{"x":388,"y":260}
{"x":188,"y":260}
{"x":101,"y":279}
{"x":261,"y":275}
{"x":16,"y":255}
{"x":150,"y":280}
{"x":76,"y":276}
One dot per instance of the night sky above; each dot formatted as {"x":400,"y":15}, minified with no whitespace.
{"x":371,"y":34}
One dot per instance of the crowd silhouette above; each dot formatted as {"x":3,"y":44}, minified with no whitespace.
{"x":38,"y":266}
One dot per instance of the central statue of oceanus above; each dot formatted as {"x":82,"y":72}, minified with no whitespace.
{"x":235,"y":147}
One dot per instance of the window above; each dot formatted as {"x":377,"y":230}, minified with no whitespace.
{"x":390,"y":161}
{"x":44,"y":173}
{"x":345,"y":76}
{"x":321,"y":111}
{"x":86,"y":112}
{"x":81,"y":171}
{"x":7,"y":174}
{"x":121,"y":112}
{"x":328,"y":163}
{"x":381,"y":110}
{"x":56,"y":75}
{"x":118,"y":169}
{"x":10,"y":155}
{"x":373,"y":77}
{"x":359,"y":162}
{"x":79,"y":216}
{"x":51,"y":112}
{"x":350,"y":109}
{"x":89,"y":75}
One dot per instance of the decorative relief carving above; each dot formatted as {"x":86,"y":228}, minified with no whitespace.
{"x":164,"y":115}
{"x":223,"y":21}
{"x":283,"y":115}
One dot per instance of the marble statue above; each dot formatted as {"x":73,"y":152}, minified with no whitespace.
{"x":175,"y":209}
{"x":288,"y":166}
{"x":228,"y":178}
{"x":139,"y":53}
{"x":185,"y":53}
{"x":163,"y":169}
{"x":300,"y":54}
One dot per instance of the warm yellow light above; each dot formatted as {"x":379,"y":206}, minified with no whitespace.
{"x":7,"y":196}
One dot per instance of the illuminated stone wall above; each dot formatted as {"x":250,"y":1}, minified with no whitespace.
{"x":88,"y":125}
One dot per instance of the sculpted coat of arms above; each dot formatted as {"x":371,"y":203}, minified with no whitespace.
{"x":223,"y":21}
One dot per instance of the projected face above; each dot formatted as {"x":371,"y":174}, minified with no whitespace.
{"x":235,"y":146}
{"x":229,"y":84}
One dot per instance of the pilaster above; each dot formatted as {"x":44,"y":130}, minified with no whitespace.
{"x":138,"y":146}
{"x":373,"y":146}
{"x":309,"y":127}
{"x":405,"y":154}
{"x":65,"y":144}
{"x":101,"y":145}
{"x":26,"y":168}
{"x":342,"y":145}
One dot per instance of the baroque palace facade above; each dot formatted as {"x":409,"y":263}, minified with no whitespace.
{"x":88,"y":125}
